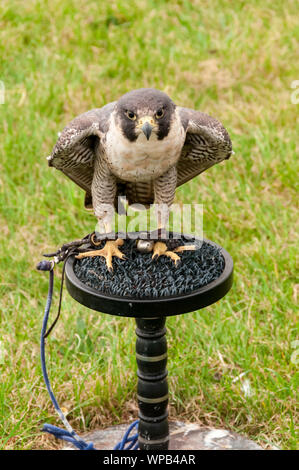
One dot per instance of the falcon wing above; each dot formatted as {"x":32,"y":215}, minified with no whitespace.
{"x":75,"y":150}
{"x":207,"y":143}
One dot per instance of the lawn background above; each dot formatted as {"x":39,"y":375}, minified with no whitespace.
{"x":233,"y":60}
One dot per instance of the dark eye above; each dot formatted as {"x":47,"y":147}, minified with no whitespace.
{"x":131,"y":115}
{"x":160,"y":113}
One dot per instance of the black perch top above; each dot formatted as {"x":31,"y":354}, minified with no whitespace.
{"x":142,"y":287}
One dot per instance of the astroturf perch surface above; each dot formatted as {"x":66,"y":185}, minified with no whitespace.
{"x":140,"y":277}
{"x":232,"y":365}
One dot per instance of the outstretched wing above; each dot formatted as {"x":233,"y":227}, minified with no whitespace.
{"x":75,"y":150}
{"x":207,"y":143}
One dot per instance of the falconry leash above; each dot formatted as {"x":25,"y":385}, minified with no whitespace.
{"x":128,"y":442}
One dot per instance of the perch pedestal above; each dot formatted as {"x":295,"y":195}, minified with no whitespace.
{"x":152,"y":387}
{"x":151,"y":345}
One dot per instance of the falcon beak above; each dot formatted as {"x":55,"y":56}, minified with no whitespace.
{"x":146,"y":124}
{"x":147,"y":130}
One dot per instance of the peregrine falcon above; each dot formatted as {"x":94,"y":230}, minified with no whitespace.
{"x":142,"y":147}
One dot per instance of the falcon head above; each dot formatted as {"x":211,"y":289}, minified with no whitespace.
{"x":147,"y":112}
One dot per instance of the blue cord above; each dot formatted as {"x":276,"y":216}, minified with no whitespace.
{"x":131,"y":441}
{"x":69,"y":434}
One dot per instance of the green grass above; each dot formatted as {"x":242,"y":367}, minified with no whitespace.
{"x":233,"y":60}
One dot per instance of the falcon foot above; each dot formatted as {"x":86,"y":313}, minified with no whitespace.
{"x":109,"y":250}
{"x":160,"y":248}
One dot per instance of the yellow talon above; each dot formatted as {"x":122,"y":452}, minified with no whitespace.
{"x":109,"y":250}
{"x":160,"y":248}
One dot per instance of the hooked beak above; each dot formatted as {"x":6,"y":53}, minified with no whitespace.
{"x":147,"y":130}
{"x":146,"y":124}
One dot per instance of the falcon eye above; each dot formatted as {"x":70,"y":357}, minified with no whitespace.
{"x":160,"y":113}
{"x":131,"y":115}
